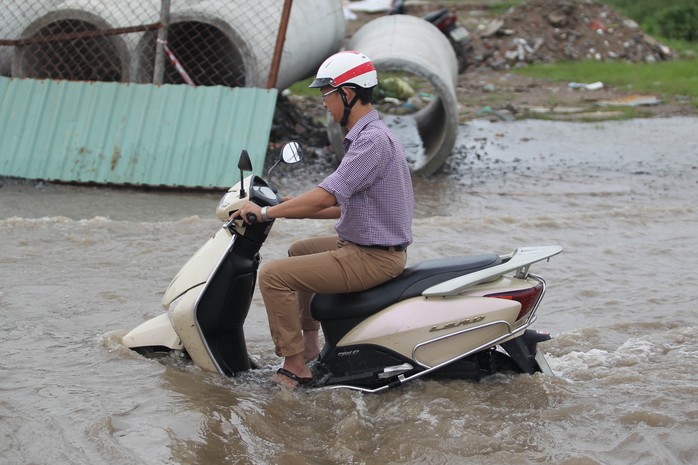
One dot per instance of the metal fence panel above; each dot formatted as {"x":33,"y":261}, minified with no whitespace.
{"x":101,"y":40}
{"x":131,"y":133}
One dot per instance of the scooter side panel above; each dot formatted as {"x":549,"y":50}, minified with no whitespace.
{"x":199,"y":267}
{"x":456,"y":343}
{"x":434,"y":324}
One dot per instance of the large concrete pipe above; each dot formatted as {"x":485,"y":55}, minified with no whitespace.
{"x":14,"y":19}
{"x":316,"y":30}
{"x":106,"y":58}
{"x":207,"y":45}
{"x":231,"y":42}
{"x":413,"y":45}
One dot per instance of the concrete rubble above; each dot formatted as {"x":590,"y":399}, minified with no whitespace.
{"x":547,"y":31}
{"x":537,"y":31}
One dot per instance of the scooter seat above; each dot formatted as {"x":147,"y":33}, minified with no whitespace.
{"x":411,"y":283}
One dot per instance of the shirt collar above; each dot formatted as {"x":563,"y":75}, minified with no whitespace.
{"x":361,"y":124}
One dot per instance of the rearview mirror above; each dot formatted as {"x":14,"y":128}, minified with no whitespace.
{"x":244,"y":163}
{"x":291,"y":153}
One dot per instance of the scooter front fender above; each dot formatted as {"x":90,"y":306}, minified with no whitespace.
{"x":156,"y":332}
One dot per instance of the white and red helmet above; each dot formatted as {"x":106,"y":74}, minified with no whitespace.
{"x":346,"y":68}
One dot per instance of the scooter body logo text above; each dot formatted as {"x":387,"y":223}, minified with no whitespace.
{"x":455,"y":324}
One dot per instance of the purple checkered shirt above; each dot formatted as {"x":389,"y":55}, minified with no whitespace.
{"x":373,"y":186}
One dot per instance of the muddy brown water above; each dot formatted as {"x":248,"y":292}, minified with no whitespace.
{"x":80,"y":265}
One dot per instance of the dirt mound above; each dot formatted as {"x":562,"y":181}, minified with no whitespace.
{"x":539,"y":31}
{"x":557,"y":30}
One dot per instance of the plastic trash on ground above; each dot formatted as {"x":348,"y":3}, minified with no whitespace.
{"x":393,"y":87}
{"x":370,"y":6}
{"x":598,"y":85}
{"x":634,"y":100}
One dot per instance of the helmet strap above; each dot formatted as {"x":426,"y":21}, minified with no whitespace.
{"x":347,"y":107}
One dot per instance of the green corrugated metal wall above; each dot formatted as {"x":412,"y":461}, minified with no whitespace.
{"x":140,"y":134}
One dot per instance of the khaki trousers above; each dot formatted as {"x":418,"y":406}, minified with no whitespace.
{"x":321,"y":265}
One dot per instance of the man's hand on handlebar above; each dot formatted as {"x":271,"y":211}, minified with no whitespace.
{"x":250,"y":213}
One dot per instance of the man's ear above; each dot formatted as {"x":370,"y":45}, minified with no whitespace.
{"x":350,"y":92}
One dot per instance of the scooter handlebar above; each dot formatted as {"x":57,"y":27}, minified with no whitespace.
{"x":251,"y":218}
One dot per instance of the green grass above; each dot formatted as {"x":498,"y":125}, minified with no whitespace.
{"x":502,"y":8}
{"x":676,"y":77}
{"x":301,"y":88}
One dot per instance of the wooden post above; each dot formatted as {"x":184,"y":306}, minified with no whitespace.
{"x":280,"y":39}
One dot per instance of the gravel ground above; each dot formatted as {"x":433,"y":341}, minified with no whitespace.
{"x":556,"y":29}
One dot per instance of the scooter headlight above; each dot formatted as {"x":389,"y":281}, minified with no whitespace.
{"x":227,"y":199}
{"x":173,"y":305}
{"x":230,"y":202}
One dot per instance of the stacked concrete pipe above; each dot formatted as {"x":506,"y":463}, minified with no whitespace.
{"x":89,"y":14}
{"x":413,"y":45}
{"x":247,"y":31}
{"x":12,"y":25}
{"x":316,"y":29}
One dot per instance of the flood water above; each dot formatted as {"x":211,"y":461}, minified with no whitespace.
{"x":81,"y":265}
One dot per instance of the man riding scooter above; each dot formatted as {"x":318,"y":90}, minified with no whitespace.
{"x":370,"y":194}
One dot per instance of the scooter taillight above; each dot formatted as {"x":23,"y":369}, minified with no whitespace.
{"x":528,"y":298}
{"x":448,"y":20}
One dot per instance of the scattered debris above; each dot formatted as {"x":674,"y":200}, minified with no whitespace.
{"x":299,"y":118}
{"x":393,"y":87}
{"x":591,"y":86}
{"x":554,"y":30}
{"x":369,"y":6}
{"x":631,"y":101}
{"x":535,"y":32}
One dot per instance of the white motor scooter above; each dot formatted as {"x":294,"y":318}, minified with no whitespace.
{"x":461,"y":317}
